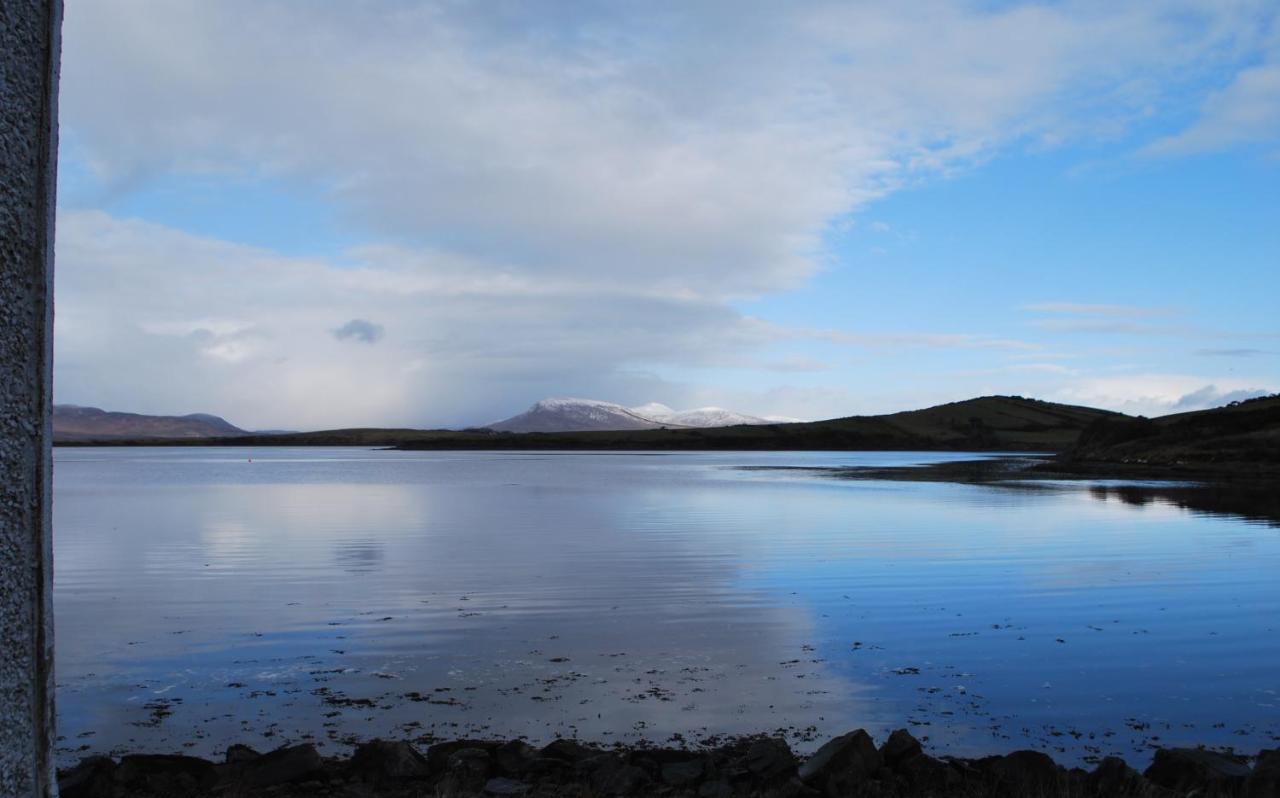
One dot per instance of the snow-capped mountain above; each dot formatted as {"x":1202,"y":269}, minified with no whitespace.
{"x":575,"y":415}
{"x":698,"y":417}
{"x":580,"y":415}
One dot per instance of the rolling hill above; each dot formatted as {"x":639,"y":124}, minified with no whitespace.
{"x":73,"y":423}
{"x":1235,"y":437}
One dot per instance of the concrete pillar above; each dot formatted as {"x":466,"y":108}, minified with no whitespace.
{"x":29,"y":53}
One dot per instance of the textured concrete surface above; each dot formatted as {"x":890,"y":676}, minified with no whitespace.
{"x":29,"y":50}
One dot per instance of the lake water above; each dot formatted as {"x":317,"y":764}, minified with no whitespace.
{"x":209,"y":596}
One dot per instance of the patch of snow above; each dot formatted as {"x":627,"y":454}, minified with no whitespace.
{"x":564,"y":414}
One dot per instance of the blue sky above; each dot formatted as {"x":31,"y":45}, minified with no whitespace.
{"x":811,"y":211}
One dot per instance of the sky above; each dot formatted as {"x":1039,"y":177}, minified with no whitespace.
{"x":383,"y":213}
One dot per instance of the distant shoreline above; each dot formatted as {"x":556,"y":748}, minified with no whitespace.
{"x":1047,"y":464}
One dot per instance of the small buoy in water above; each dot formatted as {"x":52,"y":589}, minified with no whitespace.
{"x":250,"y":459}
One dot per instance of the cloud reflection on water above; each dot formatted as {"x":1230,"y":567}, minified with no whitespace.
{"x":337,"y":592}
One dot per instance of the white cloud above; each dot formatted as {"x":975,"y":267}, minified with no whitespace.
{"x":1233,"y":352}
{"x":918,"y":339}
{"x":1247,"y":111}
{"x":1212,"y":396}
{"x":1024,"y":368}
{"x":1161,"y":394}
{"x":123,"y":287}
{"x":697,"y":147}
{"x":1083,"y":309}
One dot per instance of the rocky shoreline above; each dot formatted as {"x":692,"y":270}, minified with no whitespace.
{"x":761,"y":767}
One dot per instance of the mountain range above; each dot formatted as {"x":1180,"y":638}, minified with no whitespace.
{"x":586,"y":415}
{"x":989,"y":423}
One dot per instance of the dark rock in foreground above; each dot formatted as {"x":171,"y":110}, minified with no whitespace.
{"x":760,"y":767}
{"x":1190,"y":768}
{"x":843,"y":764}
{"x":282,"y":766}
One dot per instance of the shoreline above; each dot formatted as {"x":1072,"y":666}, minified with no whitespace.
{"x":753,"y":767}
{"x":1048,"y":464}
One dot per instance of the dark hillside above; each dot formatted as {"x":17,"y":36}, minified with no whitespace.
{"x":1241,"y":435}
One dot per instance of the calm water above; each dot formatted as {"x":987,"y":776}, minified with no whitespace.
{"x":340,"y":594}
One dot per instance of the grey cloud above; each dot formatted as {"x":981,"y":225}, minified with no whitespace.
{"x":360,"y":330}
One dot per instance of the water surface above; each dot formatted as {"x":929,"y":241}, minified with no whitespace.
{"x":208,"y":596}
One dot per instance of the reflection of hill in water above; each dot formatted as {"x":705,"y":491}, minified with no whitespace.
{"x":1252,"y":502}
{"x":1256,"y":500}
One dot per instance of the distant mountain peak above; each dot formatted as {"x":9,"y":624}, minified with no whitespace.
{"x":704,"y":417}
{"x":562,"y":414}
{"x":565,"y":414}
{"x":569,"y":402}
{"x":653,"y":410}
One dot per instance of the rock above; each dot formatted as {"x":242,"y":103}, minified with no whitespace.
{"x":1268,"y":763}
{"x":841,"y":764}
{"x":664,"y":756}
{"x":1025,"y":772}
{"x":716,"y":789}
{"x":595,"y":762}
{"x":546,"y":767}
{"x":515,"y":757}
{"x":568,"y":750}
{"x":383,"y":760}
{"x":238,"y":754}
{"x":1265,"y":780}
{"x":504,"y":786}
{"x":283,"y":765}
{"x":768,"y":759}
{"x":439,"y":753}
{"x":166,"y":773}
{"x":795,"y":788}
{"x":1189,"y":768}
{"x":612,"y":776}
{"x":93,"y":777}
{"x":925,"y":772}
{"x":680,"y":774}
{"x":1113,"y":776}
{"x":470,"y":762}
{"x":900,"y":745}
